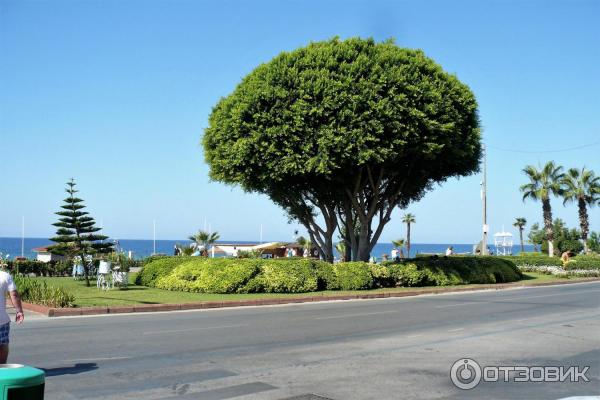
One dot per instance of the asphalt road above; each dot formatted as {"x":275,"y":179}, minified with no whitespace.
{"x":364,"y":349}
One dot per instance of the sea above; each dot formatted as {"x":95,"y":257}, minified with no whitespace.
{"x":141,"y":248}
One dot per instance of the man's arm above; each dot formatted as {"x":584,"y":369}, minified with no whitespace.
{"x":16,"y":301}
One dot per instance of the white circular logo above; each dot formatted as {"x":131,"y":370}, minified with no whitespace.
{"x":465,"y":373}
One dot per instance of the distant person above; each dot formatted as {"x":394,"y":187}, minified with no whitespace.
{"x":565,"y":257}
{"x":373,"y":260}
{"x":449,"y":251}
{"x":235,"y":252}
{"x":395,"y":254}
{"x":385,"y":257}
{"x":7,"y":285}
{"x":175,"y":250}
{"x":306,"y":253}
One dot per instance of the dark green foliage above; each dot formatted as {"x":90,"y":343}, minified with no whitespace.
{"x":39,"y":268}
{"x":157,"y":267}
{"x":443,"y":271}
{"x":76,"y":234}
{"x":38,"y":292}
{"x":565,"y":239}
{"x":594,"y":242}
{"x":313,"y":125}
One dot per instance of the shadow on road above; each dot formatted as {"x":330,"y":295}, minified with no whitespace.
{"x":75,"y":369}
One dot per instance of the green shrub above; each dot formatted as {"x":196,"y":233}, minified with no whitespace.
{"x":354,"y":275}
{"x":158,"y":267}
{"x":39,"y":268}
{"x":289,"y":276}
{"x":444,"y":271}
{"x":584,"y":262}
{"x":407,"y":274}
{"x":326,"y":278}
{"x":38,"y":292}
{"x":382,"y":276}
{"x":210,"y":275}
{"x":534,"y":259}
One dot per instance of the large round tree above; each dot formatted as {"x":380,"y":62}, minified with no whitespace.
{"x":341,"y":132}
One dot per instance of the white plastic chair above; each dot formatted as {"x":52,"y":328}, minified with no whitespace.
{"x":102,"y":282}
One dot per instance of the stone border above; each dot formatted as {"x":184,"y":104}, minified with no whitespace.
{"x":64,"y":312}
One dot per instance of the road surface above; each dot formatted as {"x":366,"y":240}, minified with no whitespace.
{"x":400,"y":348}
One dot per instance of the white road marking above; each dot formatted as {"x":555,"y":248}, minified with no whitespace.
{"x":413,"y":336}
{"x":358,"y":315}
{"x":456,"y":330}
{"x":192,"y":329}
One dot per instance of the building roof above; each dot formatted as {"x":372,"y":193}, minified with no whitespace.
{"x":41,"y":249}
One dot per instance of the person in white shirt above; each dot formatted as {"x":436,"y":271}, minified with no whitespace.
{"x":395,"y":254}
{"x":7,"y":285}
{"x":449,"y":251}
{"x":235,"y":252}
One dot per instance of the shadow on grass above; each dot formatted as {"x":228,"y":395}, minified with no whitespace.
{"x":75,"y":369}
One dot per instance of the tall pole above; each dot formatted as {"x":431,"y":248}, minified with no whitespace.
{"x":153,"y":237}
{"x":23,"y":237}
{"x":484,"y":250}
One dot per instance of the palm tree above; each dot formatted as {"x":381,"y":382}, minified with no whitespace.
{"x":542,"y":184}
{"x":520,"y":223}
{"x":204,"y":239}
{"x":582,"y":186}
{"x":408,"y":219}
{"x":399,"y":243}
{"x":340,"y":247}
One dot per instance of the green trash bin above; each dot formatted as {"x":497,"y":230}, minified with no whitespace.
{"x":20,"y":382}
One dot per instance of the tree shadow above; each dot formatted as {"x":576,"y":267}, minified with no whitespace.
{"x":75,"y":369}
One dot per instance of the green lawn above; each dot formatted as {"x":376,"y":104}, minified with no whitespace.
{"x":91,"y":296}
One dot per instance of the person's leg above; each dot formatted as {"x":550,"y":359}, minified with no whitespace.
{"x":4,"y":335}
{"x":3,"y":353}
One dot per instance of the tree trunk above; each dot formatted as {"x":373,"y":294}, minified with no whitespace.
{"x":584,"y":223}
{"x":547,"y":209}
{"x":408,"y":239}
{"x":521,"y":236}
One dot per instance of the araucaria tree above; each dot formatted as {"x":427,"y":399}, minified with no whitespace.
{"x":339,"y":133}
{"x":544,"y":183}
{"x":76,"y":234}
{"x":583,"y":187}
{"x":520,"y":223}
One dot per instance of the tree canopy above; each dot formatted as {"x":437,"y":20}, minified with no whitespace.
{"x":340,"y":132}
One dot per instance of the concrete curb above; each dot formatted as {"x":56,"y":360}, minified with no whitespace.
{"x":80,"y":311}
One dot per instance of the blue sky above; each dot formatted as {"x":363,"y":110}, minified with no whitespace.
{"x":117,"y":94}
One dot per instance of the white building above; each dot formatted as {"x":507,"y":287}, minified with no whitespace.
{"x":44,"y":255}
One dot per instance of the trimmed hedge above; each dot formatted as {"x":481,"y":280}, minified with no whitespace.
{"x":39,"y":268}
{"x":444,"y":271}
{"x":583,"y":262}
{"x":157,"y":267}
{"x":297,"y":275}
{"x":534,"y":259}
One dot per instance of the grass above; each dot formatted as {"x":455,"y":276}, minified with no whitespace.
{"x":91,"y":296}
